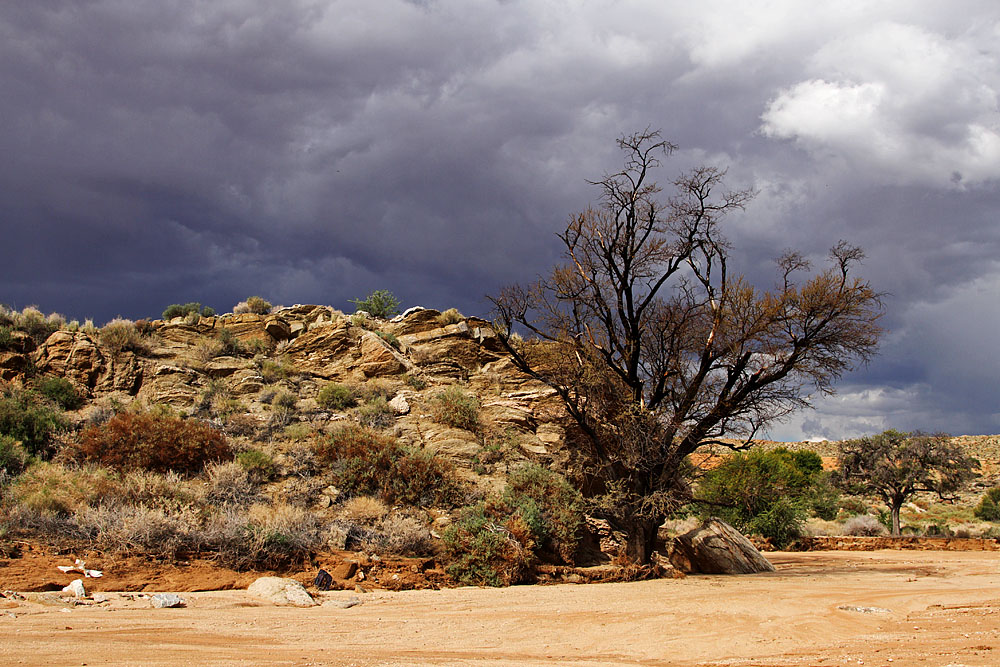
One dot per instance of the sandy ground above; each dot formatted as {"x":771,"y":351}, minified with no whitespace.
{"x":934,"y":608}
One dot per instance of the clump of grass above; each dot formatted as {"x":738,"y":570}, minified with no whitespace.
{"x":415,"y":381}
{"x":259,"y":465}
{"x":450,"y":316}
{"x":120,"y":335}
{"x":262,"y":536}
{"x":457,"y":408}
{"x":254,"y":304}
{"x":51,"y":489}
{"x":335,"y":396}
{"x":398,"y":534}
{"x":365,"y":509}
{"x":376,"y":413}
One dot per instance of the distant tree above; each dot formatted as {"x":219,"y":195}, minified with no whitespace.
{"x":895,"y":465}
{"x":655,"y":347}
{"x":380,"y":303}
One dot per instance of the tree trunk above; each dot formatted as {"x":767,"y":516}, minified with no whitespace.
{"x":641,"y":539}
{"x":895,"y":519}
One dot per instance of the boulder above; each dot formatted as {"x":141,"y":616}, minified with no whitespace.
{"x":282,"y":592}
{"x":166,"y":601}
{"x":378,"y":357}
{"x":73,"y":355}
{"x":717,"y":548}
{"x":277,"y":328}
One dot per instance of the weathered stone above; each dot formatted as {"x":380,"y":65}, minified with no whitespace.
{"x":225,"y":366}
{"x":277,"y":328}
{"x":166,"y":600}
{"x":342,"y":604}
{"x":73,"y":355}
{"x":399,"y":405}
{"x":717,"y":548}
{"x":378,"y":358}
{"x":282,"y":592}
{"x":76,"y":588}
{"x":13,"y":364}
{"x":345,"y":570}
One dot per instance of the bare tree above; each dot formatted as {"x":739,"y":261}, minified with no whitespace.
{"x":895,"y":465}
{"x":656,"y":347}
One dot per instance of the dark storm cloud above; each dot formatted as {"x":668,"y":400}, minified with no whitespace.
{"x":315,"y":150}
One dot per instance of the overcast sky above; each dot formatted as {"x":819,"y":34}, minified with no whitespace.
{"x":312,"y":151}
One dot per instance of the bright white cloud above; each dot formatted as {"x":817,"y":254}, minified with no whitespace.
{"x":898,"y":104}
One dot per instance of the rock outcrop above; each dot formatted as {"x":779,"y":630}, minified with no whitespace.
{"x":716,"y":548}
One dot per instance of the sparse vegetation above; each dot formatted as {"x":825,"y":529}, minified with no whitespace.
{"x":335,"y":396}
{"x":455,"y":407}
{"x":450,"y":316}
{"x":380,"y":303}
{"x":184,"y":310}
{"x":120,"y":335}
{"x":60,"y":391}
{"x":257,"y":305}
{"x":29,"y":418}
{"x":988,"y":508}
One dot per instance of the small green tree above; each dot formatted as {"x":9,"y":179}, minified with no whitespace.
{"x":988,"y":508}
{"x":894,"y":465}
{"x":768,"y":493}
{"x":380,"y":303}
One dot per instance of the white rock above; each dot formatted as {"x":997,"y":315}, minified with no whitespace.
{"x":166,"y":600}
{"x":399,"y":405}
{"x":76,"y":588}
{"x":282,"y":592}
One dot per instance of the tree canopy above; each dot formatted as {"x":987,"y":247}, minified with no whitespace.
{"x":894,"y":465}
{"x":656,"y":345}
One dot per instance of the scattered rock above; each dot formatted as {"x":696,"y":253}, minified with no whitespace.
{"x":345,"y":570}
{"x":76,"y":588}
{"x":343,"y":604}
{"x":166,"y":600}
{"x":865,"y":610}
{"x":717,"y":548}
{"x":399,"y":405}
{"x":282,"y":592}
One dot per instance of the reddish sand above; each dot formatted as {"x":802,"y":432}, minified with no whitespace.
{"x":933,"y":608}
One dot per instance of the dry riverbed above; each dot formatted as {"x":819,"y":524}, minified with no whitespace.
{"x":820,"y":608}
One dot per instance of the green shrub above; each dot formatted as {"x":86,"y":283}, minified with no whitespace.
{"x":988,"y":508}
{"x":335,"y":396}
{"x":285,"y":400}
{"x":376,"y":413}
{"x":415,"y":381}
{"x":380,"y":303}
{"x":148,"y":441}
{"x":274,"y":370}
{"x":549,"y":505}
{"x":255,"y":304}
{"x":6,"y":336}
{"x":28,"y":418}
{"x":768,"y":492}
{"x":366,"y":462}
{"x":488,"y":546}
{"x":455,"y":407}
{"x":230,"y":345}
{"x":389,"y":338}
{"x":259,"y":465}
{"x":60,"y":391}
{"x":193,"y":307}
{"x":13,"y":457}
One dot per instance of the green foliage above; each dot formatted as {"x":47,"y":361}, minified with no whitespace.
{"x":768,"y":492}
{"x":28,"y":418}
{"x":415,"y":381}
{"x":457,"y":408}
{"x":285,"y":400}
{"x":988,"y":508}
{"x":183,"y":310}
{"x":450,"y":316}
{"x":274,"y":370}
{"x":390,"y":338}
{"x":13,"y":458}
{"x":60,"y":391}
{"x":50,"y":489}
{"x":335,"y":396}
{"x":229,"y":344}
{"x":894,"y":465}
{"x":6,"y":336}
{"x":380,"y":303}
{"x":367,"y":462}
{"x":489,"y":547}
{"x":495,"y":542}
{"x":376,"y":413}
{"x":259,"y":465}
{"x":148,"y":441}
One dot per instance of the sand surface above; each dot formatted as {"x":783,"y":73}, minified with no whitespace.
{"x":820,"y":608}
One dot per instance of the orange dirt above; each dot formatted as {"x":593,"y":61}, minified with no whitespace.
{"x":882,"y":608}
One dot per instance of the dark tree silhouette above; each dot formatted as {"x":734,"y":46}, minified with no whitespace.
{"x":656,"y":347}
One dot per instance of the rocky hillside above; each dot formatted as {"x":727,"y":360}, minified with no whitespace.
{"x":230,"y":368}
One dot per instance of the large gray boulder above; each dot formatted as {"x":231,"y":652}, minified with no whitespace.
{"x":717,"y":548}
